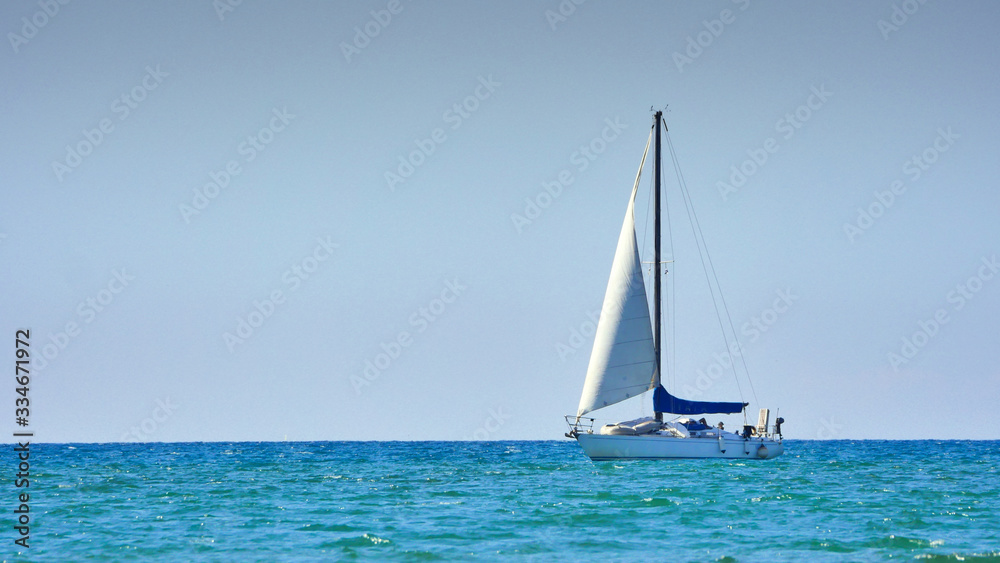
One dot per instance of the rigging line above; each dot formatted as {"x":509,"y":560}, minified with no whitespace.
{"x":729,"y":317}
{"x":655,"y":271}
{"x":672,"y":326}
{"x":702,"y":254}
{"x":645,"y":228}
{"x":649,"y":205}
{"x":715,"y":275}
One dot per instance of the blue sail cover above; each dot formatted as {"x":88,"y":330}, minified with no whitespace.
{"x":665,"y":402}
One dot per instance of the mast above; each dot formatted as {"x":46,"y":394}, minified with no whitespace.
{"x":656,"y":257}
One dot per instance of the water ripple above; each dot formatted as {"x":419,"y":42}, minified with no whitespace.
{"x":543,"y":501}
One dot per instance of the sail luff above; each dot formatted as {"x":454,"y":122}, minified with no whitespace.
{"x":623,"y":362}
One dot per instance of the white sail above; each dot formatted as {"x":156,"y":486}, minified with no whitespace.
{"x":623,"y":360}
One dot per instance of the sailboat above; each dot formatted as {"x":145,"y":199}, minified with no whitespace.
{"x":625,"y":362}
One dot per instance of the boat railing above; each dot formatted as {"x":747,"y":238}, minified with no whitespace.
{"x":579,"y":425}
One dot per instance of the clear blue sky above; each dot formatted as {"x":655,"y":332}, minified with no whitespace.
{"x":117,"y":117}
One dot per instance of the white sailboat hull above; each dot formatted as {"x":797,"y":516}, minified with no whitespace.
{"x":602,"y":447}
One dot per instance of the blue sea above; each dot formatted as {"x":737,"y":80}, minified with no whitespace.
{"x":506,"y":501}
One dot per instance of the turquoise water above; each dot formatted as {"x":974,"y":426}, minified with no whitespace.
{"x":543,"y":501}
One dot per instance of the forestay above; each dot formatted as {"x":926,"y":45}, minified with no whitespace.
{"x":623,"y":361}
